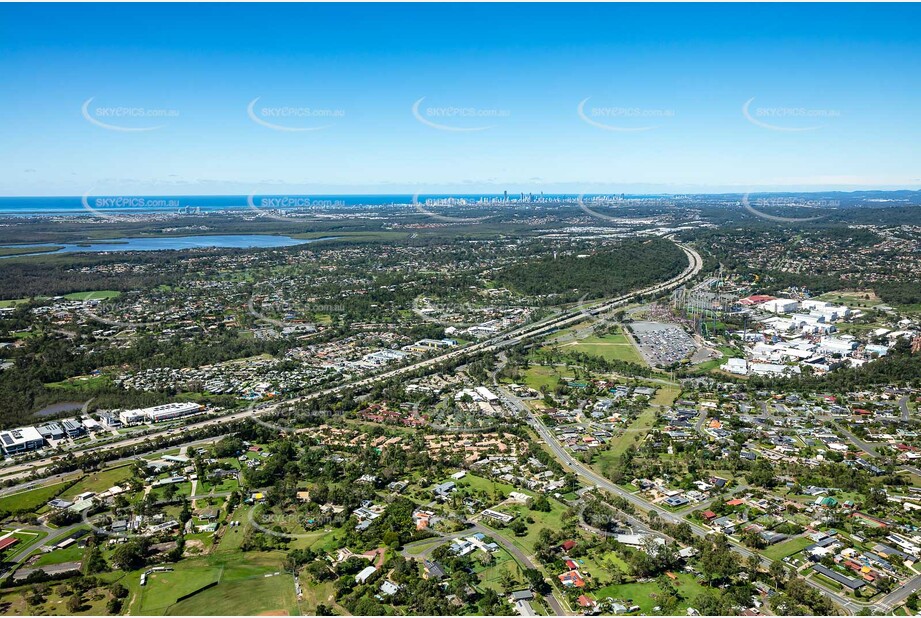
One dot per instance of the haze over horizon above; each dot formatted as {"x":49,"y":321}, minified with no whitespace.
{"x":450,"y":99}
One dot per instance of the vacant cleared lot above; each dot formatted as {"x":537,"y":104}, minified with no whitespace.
{"x":787,"y":548}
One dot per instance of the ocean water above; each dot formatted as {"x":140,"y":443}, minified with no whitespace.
{"x":93,"y":205}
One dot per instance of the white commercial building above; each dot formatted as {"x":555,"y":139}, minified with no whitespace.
{"x":131,"y":417}
{"x":169,"y":411}
{"x":829,"y":311}
{"x":835,"y":345}
{"x":773,"y":369}
{"x":21,"y":440}
{"x":780,"y":305}
{"x":738,"y":366}
{"x":157,"y":414}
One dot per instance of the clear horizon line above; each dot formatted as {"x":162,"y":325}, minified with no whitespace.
{"x":511,"y":194}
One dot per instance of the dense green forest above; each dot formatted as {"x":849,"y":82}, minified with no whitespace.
{"x":48,"y":358}
{"x":597,"y":274}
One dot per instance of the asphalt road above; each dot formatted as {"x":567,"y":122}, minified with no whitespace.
{"x":642,"y":505}
{"x":54,"y":534}
{"x":903,"y":405}
{"x":495,"y":344}
{"x":522,"y":558}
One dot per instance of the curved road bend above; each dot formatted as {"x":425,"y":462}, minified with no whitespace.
{"x":849,"y":605}
{"x":567,"y":318}
{"x":516,"y":553}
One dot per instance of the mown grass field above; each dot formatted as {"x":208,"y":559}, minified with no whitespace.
{"x":528,"y":542}
{"x":538,"y":375}
{"x":476,"y":483}
{"x":615,"y":346}
{"x":163,"y":589}
{"x":99,"y":481}
{"x":6,"y":304}
{"x":242,"y":597}
{"x":68,"y":554}
{"x":787,"y":548}
{"x":81,"y":383}
{"x":632,"y":435}
{"x":31,"y":499}
{"x":861,"y":299}
{"x":93,"y":295}
{"x":642,"y":594}
{"x":504,"y":568}
{"x":243,"y":588}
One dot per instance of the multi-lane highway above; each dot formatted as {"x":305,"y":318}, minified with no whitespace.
{"x":496,"y":345}
{"x":493,"y":345}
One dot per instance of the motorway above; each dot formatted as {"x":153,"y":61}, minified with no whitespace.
{"x":496,"y":344}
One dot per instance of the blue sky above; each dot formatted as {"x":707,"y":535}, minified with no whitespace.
{"x":835,"y":89}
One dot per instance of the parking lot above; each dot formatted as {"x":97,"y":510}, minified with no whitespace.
{"x":662,"y":344}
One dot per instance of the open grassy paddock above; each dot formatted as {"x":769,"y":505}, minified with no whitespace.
{"x":31,"y":499}
{"x":99,"y":481}
{"x":614,"y":346}
{"x":243,"y":587}
{"x":787,"y":548}
{"x":643,"y":594}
